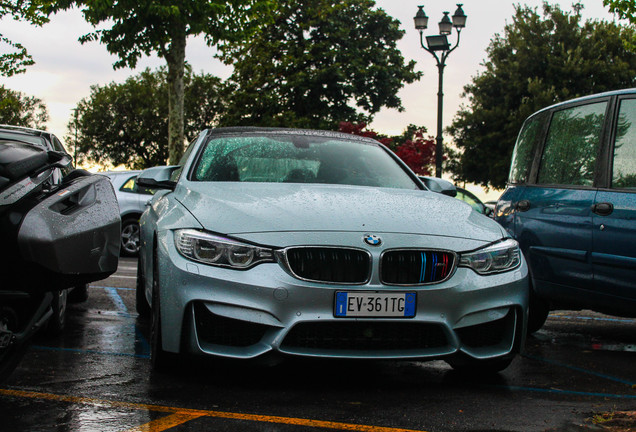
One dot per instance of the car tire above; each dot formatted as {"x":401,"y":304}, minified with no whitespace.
{"x":141,"y":303}
{"x":537,"y":312}
{"x":57,"y":322}
{"x":79,"y":294}
{"x":160,"y":360}
{"x":11,"y":355}
{"x":130,"y":237}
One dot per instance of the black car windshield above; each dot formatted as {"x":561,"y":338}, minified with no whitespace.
{"x":30,"y":139}
{"x":299,"y":159}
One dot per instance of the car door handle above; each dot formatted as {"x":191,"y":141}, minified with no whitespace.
{"x":522,"y":206}
{"x":603,"y":209}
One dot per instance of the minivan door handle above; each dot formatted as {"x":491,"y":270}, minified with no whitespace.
{"x":522,"y":206}
{"x":603,"y":209}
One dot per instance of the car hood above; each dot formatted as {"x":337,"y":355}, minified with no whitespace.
{"x":243,"y":208}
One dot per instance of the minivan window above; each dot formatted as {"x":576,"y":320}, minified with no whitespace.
{"x":572,"y":145}
{"x":524,"y":149}
{"x":624,"y":171}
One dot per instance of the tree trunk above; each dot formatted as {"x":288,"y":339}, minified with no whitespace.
{"x":176,"y":66}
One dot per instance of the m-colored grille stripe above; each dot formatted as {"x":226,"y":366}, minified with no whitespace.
{"x":414,"y":267}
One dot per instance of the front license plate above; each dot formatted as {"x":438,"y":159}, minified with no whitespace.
{"x":373,"y":304}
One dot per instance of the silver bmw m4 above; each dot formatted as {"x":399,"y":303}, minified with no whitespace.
{"x":270,"y":243}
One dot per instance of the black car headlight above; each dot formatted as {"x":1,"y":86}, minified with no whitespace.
{"x":496,"y":258}
{"x":220,"y":251}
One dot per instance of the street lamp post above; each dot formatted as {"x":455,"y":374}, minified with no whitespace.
{"x":434,"y":44}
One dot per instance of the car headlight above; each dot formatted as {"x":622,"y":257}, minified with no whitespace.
{"x":220,"y":251}
{"x":496,"y":258}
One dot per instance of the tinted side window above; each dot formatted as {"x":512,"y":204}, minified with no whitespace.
{"x":524,"y":148}
{"x":624,"y":171}
{"x":470,"y":200}
{"x":57,"y":144}
{"x":130,"y":185}
{"x":572,"y":145}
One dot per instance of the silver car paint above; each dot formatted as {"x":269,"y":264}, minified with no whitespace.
{"x":268,"y":294}
{"x":239,"y":208}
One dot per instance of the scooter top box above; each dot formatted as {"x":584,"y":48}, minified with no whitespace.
{"x":54,"y":235}
{"x":76,"y":230}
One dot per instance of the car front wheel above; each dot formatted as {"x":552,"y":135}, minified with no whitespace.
{"x":160,"y":360}
{"x":141,"y":303}
{"x":130,"y":237}
{"x":57,"y":322}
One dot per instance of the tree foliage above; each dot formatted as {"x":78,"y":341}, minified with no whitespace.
{"x":417,"y":151}
{"x":18,"y":109}
{"x":319,"y":62}
{"x":125,"y":124}
{"x":142,"y":27}
{"x":16,"y":59}
{"x":361,"y":129}
{"x":539,"y":60}
{"x":412,"y":147}
{"x":625,"y":9}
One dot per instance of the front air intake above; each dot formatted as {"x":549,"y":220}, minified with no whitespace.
{"x":416,"y":267}
{"x":330,"y":265}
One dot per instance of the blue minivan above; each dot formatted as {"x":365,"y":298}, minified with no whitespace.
{"x":571,"y":204}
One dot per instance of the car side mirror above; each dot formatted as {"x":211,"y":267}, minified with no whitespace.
{"x":158,"y":177}
{"x":439,"y":185}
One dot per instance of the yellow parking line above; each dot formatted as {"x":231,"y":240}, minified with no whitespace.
{"x":164,"y":423}
{"x":183,"y":415}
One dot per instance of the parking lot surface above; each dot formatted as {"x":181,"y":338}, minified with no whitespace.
{"x":96,"y":377}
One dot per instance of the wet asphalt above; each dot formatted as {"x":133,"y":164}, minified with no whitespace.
{"x":96,"y":376}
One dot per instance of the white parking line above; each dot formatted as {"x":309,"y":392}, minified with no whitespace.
{"x":134,"y":268}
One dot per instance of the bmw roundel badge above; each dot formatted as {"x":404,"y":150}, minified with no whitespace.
{"x":372,"y":240}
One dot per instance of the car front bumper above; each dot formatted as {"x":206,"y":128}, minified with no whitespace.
{"x":264,"y":310}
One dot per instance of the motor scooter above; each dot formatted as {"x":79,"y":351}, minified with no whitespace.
{"x":52,"y":236}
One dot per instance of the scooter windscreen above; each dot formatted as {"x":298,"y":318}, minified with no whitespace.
{"x":23,"y":168}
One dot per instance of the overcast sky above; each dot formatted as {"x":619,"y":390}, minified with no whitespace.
{"x":65,"y":69}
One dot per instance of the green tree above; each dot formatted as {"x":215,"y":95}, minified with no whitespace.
{"x":319,"y":62}
{"x":18,"y":109}
{"x":539,"y":60}
{"x":141,"y":27}
{"x":17,"y":58}
{"x":126,"y":123}
{"x":626,"y":9}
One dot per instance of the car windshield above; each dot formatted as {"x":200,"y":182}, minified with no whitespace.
{"x":299,"y":159}
{"x":31,"y":139}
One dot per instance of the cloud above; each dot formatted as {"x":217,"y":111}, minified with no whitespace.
{"x":65,"y":69}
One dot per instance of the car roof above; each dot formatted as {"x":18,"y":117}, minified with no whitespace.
{"x":24,"y":130}
{"x":20,"y":133}
{"x":588,"y":97}
{"x":119,"y":178}
{"x":119,"y":172}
